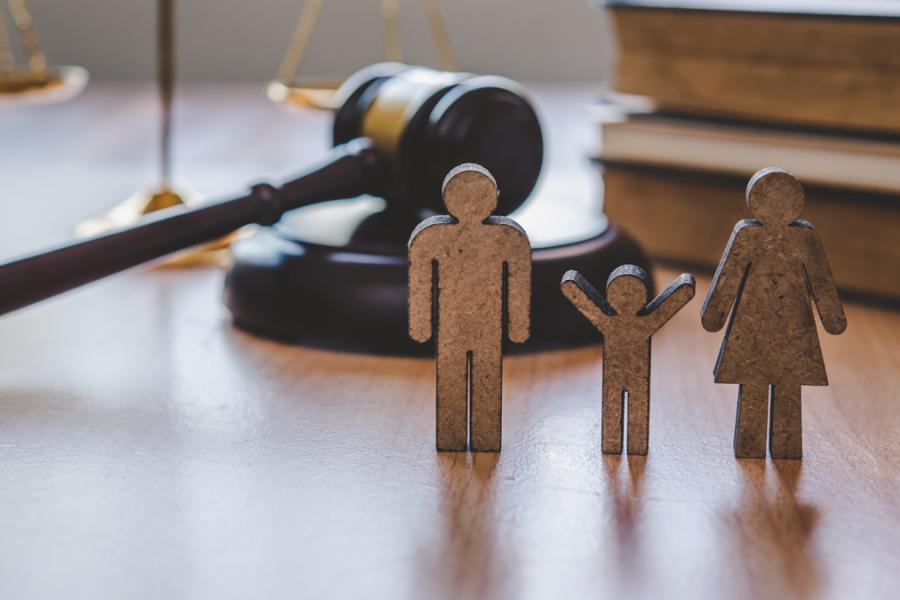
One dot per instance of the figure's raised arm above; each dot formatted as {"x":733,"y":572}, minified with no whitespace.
{"x":421,"y":278}
{"x":670,"y":301}
{"x":586,"y":299}
{"x":727,"y":281}
{"x":518,"y":282}
{"x":821,"y":283}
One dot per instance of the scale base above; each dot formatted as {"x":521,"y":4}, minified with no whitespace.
{"x":143,"y":202}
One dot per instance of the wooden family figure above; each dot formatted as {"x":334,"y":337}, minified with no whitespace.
{"x":627,"y":318}
{"x":773,"y":265}
{"x":459,"y":266}
{"x":469,"y":271}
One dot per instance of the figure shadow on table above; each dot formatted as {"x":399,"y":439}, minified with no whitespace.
{"x":467,"y":560}
{"x":625,"y":480}
{"x":770,"y":530}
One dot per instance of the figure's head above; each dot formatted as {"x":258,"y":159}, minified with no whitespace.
{"x":628,"y":289}
{"x":774,"y":196}
{"x":470,"y":193}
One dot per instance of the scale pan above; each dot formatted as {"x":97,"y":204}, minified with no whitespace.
{"x":305,"y":93}
{"x":69,"y":83}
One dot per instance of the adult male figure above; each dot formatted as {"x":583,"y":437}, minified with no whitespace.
{"x":466,"y":270}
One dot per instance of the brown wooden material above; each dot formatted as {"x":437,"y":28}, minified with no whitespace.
{"x":627,"y":319}
{"x":469,"y":283}
{"x":150,"y":450}
{"x":352,"y":169}
{"x":770,"y":268}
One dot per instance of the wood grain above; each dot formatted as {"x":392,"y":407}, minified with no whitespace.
{"x":150,"y":450}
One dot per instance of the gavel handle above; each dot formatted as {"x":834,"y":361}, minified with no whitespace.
{"x":354,"y":168}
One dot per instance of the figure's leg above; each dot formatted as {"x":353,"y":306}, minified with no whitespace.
{"x":785,"y":423}
{"x":613,"y":406}
{"x":750,"y":424}
{"x":452,"y":398}
{"x":638,"y":418}
{"x":487,"y":398}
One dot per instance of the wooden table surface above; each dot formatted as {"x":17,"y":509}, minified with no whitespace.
{"x":150,"y":450}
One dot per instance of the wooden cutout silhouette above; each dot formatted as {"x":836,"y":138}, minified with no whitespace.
{"x":627,"y":321}
{"x":771,"y":266}
{"x":466,"y":271}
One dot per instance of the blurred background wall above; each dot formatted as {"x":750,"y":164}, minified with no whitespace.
{"x":530,"y":40}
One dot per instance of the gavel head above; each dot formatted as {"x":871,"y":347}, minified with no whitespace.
{"x":427,"y":122}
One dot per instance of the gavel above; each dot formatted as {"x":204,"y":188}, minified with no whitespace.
{"x":397,"y":133}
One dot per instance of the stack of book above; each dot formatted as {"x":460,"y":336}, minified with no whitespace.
{"x":708,"y":92}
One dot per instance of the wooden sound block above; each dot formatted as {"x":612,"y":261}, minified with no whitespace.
{"x":335,"y":275}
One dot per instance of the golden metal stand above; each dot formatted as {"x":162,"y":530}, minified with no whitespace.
{"x":318,"y":92}
{"x":167,"y":194}
{"x":36,"y":83}
{"x":136,"y":206}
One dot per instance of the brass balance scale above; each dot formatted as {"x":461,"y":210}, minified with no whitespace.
{"x":35,"y":82}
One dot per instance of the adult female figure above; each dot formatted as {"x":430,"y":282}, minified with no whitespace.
{"x":770,"y":267}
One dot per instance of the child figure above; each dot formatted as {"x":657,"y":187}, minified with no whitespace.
{"x":627,"y":321}
{"x":468,"y":272}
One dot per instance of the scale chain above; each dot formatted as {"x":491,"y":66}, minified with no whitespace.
{"x":22,"y":18}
